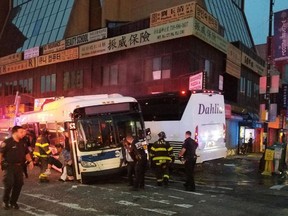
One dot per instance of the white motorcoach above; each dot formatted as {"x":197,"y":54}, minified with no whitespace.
{"x":202,"y":113}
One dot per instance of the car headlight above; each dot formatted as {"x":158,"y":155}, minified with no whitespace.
{"x":88,"y":164}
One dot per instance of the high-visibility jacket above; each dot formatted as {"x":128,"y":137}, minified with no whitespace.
{"x":42,"y":147}
{"x":161,"y":152}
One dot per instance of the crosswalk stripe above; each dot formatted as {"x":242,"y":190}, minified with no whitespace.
{"x":277,"y":187}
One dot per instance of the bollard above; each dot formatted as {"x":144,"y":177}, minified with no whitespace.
{"x":269,"y":157}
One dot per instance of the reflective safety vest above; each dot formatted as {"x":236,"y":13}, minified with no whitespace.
{"x":161,"y":152}
{"x":42,"y":147}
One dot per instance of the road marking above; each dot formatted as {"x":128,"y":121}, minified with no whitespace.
{"x":225,"y":188}
{"x":34,"y":211}
{"x":127,"y":203}
{"x":69,"y":205}
{"x":277,"y":187}
{"x":160,"y":211}
{"x":161,"y":201}
{"x":181,"y":198}
{"x":190,"y":192}
{"x":184,"y":205}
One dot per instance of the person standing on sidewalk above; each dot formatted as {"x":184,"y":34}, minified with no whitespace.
{"x":13,"y":154}
{"x":188,"y":156}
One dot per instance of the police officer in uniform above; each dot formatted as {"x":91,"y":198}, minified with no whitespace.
{"x":139,"y":156}
{"x":188,"y":156}
{"x":13,"y":154}
{"x":162,"y":155}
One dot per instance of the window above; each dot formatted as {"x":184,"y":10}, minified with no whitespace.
{"x":73,"y":80}
{"x":249,"y":88}
{"x":110,"y":75}
{"x":25,"y":86}
{"x":48,"y":83}
{"x":159,"y":66}
{"x":242,"y":85}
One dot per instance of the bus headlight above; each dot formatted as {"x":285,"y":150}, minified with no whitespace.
{"x":88,"y":164}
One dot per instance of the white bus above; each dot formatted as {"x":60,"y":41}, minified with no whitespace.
{"x":202,"y":113}
{"x":96,"y":124}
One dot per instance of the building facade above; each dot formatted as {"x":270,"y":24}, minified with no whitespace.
{"x":132,"y":56}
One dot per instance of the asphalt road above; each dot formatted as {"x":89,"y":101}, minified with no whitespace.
{"x":224,"y":187}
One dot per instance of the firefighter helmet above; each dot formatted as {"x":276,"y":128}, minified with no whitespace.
{"x":162,"y":135}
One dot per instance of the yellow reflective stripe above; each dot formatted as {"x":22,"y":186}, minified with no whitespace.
{"x":42,"y":145}
{"x":170,"y":149}
{"x":159,"y":149}
{"x":43,"y":156}
{"x":166,"y":176}
{"x":36,"y":153}
{"x":48,"y":152}
{"x":162,"y":158}
{"x":152,"y":148}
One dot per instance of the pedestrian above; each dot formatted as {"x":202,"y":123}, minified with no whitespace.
{"x":63,"y":162}
{"x":250,"y":144}
{"x":188,"y":156}
{"x":140,"y":157}
{"x":128,"y":161}
{"x":13,"y":154}
{"x":162,"y":156}
{"x":41,"y":154}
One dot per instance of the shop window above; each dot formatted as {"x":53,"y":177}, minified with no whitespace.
{"x":110,"y":75}
{"x":256,"y":90}
{"x":48,"y":83}
{"x":73,"y":80}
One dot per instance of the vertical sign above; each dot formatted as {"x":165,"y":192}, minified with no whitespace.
{"x":281,"y":35}
{"x":196,"y":82}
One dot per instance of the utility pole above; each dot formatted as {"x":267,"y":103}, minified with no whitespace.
{"x":269,"y":63}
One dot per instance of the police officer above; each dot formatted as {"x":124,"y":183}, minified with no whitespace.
{"x":41,"y":154}
{"x":188,"y":156}
{"x":162,"y":155}
{"x":13,"y":153}
{"x":139,"y":156}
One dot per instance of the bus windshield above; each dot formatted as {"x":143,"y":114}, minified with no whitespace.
{"x":107,"y":131}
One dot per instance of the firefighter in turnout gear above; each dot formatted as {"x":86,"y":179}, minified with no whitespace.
{"x":162,"y":156}
{"x":41,"y":154}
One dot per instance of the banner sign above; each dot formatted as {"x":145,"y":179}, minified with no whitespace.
{"x":202,"y":15}
{"x":209,"y":36}
{"x":172,"y":14}
{"x":54,"y":47}
{"x":169,"y":31}
{"x":57,"y":57}
{"x":253,"y":65}
{"x":86,"y":38}
{"x":281,"y":35}
{"x":10,"y":58}
{"x":31,"y":53}
{"x":143,"y":37}
{"x":18,"y":66}
{"x":196,"y":82}
{"x":233,"y":69}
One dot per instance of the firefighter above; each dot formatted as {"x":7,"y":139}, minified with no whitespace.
{"x":162,"y":156}
{"x":41,"y":154}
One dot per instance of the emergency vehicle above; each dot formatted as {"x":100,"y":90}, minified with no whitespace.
{"x":96,"y":125}
{"x":201,"y":112}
